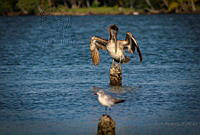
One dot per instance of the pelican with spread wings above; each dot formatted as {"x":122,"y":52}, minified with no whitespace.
{"x":116,"y":48}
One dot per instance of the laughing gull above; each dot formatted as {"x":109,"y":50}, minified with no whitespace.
{"x":107,"y":100}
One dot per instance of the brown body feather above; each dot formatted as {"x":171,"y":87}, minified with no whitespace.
{"x":95,"y":57}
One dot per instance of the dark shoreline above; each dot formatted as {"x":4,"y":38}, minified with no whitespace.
{"x":93,"y":14}
{"x":77,"y":13}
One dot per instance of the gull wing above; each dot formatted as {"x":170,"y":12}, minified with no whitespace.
{"x":132,"y":44}
{"x":113,"y":100}
{"x":97,"y":43}
{"x":116,"y":101}
{"x":119,"y":101}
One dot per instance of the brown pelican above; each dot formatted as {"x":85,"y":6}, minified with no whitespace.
{"x":115,"y":47}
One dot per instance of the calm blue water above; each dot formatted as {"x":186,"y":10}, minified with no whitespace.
{"x":47,"y":79}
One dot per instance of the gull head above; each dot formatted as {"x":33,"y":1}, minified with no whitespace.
{"x":100,"y":93}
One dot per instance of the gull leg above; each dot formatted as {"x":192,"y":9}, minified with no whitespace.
{"x":106,"y":110}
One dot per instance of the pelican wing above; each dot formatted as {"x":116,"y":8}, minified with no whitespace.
{"x":97,"y":43}
{"x":132,"y":44}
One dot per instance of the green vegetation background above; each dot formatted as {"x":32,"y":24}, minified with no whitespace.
{"x":85,"y":7}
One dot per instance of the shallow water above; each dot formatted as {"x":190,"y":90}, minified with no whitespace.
{"x":47,"y":81}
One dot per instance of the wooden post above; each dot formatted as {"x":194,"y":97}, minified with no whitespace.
{"x":106,"y":126}
{"x":115,"y":75}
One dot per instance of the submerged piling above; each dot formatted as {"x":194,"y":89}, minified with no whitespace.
{"x":106,"y":126}
{"x":115,"y":75}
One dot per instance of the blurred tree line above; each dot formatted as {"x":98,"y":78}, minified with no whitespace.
{"x":153,"y":6}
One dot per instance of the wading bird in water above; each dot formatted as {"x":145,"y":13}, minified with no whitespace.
{"x":116,"y":48}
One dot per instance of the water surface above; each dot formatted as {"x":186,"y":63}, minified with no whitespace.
{"x":47,"y":79}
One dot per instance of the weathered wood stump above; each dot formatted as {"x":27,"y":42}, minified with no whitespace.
{"x":106,"y":126}
{"x":115,"y":75}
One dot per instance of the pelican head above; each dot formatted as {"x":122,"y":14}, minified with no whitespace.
{"x":113,"y":29}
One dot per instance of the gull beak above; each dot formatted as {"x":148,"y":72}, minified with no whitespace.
{"x":95,"y":93}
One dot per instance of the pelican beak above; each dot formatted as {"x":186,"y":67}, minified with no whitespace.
{"x":114,"y":36}
{"x":115,"y":40}
{"x":113,"y":29}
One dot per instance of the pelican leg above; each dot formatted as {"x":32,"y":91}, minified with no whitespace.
{"x":119,"y":65}
{"x":113,"y":61}
{"x":120,"y":61}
